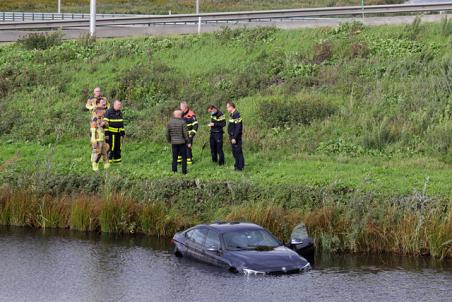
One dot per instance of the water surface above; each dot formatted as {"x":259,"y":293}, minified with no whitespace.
{"x":68,"y":266}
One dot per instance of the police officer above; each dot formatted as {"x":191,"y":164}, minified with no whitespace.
{"x":98,"y":143}
{"x":93,"y":102}
{"x":217,"y":123}
{"x":235,"y":131}
{"x":192,"y":125}
{"x":115,"y":131}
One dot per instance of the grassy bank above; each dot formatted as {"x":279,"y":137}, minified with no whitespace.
{"x":347,"y":128}
{"x":179,"y":6}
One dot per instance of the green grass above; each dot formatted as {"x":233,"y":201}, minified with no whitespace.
{"x":179,"y":6}
{"x":346,"y":128}
{"x":396,"y":176}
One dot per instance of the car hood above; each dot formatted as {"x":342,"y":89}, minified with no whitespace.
{"x":266,"y":260}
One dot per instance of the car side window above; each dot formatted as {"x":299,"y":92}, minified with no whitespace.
{"x":212,"y":240}
{"x":197,"y":235}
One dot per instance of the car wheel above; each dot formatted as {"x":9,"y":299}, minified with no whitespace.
{"x":233,"y":270}
{"x":177,"y":253}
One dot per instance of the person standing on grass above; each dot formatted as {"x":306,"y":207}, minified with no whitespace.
{"x":235,"y":131}
{"x":115,"y":131}
{"x":177,"y":136}
{"x":96,"y":100}
{"x":192,"y":125}
{"x":217,"y":123}
{"x":99,"y":145}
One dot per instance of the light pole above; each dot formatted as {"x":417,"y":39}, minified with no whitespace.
{"x":199,"y":18}
{"x":92,"y":20}
{"x":59,"y":6}
{"x":362,"y":5}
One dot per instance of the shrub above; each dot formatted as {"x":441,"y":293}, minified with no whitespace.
{"x":41,"y":41}
{"x":413,"y":30}
{"x":323,"y":51}
{"x":302,"y":110}
{"x":377,"y":135}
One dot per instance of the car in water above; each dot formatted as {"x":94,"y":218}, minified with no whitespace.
{"x":240,"y":248}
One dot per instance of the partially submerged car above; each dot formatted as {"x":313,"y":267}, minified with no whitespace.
{"x":241,"y":248}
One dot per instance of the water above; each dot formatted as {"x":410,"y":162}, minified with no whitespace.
{"x":65,"y":266}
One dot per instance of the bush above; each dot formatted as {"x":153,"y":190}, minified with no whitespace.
{"x":323,"y":51}
{"x":41,"y":41}
{"x":379,"y":134}
{"x":302,"y":110}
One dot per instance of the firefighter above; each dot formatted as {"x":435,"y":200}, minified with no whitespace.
{"x":98,"y":143}
{"x":192,"y":125}
{"x":93,"y":101}
{"x":235,"y":131}
{"x":217,"y":123}
{"x":115,"y":131}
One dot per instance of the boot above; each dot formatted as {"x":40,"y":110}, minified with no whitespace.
{"x":95,"y":166}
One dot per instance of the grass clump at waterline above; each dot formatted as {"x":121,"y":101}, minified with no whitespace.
{"x":360,"y":224}
{"x":360,"y":123}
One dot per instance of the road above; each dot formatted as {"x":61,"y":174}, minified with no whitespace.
{"x":134,"y":31}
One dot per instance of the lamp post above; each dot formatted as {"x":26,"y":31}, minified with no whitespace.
{"x":199,"y":18}
{"x":92,"y":20}
{"x":362,"y":5}
{"x":59,"y":6}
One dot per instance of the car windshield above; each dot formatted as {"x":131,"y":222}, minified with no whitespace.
{"x":249,"y":240}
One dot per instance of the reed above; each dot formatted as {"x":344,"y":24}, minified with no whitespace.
{"x":356,"y":225}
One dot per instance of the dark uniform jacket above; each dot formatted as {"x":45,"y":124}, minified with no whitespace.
{"x":176,"y":132}
{"x":192,"y":123}
{"x":235,"y":126}
{"x":219,"y":122}
{"x":115,"y":121}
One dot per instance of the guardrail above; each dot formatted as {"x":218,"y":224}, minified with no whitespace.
{"x":247,"y":16}
{"x":32,"y":16}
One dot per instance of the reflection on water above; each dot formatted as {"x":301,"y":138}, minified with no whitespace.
{"x":73,"y":266}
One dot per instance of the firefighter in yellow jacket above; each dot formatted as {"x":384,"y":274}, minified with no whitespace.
{"x":94,"y":101}
{"x":98,"y":143}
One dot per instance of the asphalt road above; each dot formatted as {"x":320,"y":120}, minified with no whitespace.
{"x":136,"y":31}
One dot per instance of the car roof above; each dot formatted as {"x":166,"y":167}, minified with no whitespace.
{"x":231,"y":226}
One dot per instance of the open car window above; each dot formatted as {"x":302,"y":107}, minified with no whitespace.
{"x":249,"y":240}
{"x":197,"y":235}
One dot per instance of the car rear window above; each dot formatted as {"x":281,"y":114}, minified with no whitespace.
{"x":197,"y":235}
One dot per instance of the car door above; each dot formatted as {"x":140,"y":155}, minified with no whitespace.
{"x":195,"y":243}
{"x":213,"y":249}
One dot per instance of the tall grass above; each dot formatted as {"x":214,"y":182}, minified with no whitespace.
{"x":359,"y":225}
